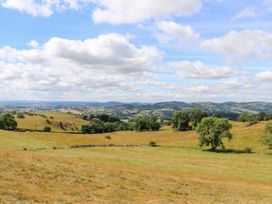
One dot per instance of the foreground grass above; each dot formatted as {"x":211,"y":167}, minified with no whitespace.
{"x":176,"y":172}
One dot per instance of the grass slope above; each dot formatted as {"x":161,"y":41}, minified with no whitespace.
{"x":176,"y":172}
{"x":69,"y":122}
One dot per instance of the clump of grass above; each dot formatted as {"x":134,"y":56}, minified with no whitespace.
{"x":248,"y":150}
{"x":108,"y":137}
{"x":152,"y":144}
{"x":47,"y":129}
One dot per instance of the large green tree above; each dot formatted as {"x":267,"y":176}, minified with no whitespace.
{"x":7,"y":122}
{"x":196,"y":116}
{"x":180,"y":121}
{"x":95,"y":126}
{"x":212,"y":131}
{"x":147,"y":124}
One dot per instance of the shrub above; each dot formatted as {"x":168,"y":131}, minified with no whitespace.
{"x":152,"y":144}
{"x":47,"y":129}
{"x":253,"y":122}
{"x":61,"y":125}
{"x":20,"y":115}
{"x":248,"y":150}
{"x":108,"y":137}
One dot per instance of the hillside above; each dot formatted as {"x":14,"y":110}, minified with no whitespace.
{"x":59,"y":122}
{"x":177,"y":171}
{"x":163,"y":110}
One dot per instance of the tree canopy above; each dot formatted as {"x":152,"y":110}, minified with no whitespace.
{"x":7,"y":122}
{"x":212,"y":131}
{"x":180,"y":121}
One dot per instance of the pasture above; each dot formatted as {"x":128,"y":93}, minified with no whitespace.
{"x":177,"y":171}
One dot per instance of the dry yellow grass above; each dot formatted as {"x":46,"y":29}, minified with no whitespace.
{"x":176,"y":172}
{"x":70,"y":122}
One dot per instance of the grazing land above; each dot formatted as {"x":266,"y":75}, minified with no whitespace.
{"x":59,"y":122}
{"x":38,"y":167}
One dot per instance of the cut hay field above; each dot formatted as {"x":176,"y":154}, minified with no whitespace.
{"x":177,"y":171}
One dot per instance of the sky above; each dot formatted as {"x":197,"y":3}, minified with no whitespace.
{"x":136,"y":50}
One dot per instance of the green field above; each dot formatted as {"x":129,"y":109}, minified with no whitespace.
{"x":177,"y":171}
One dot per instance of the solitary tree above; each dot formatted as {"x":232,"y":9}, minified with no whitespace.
{"x":212,"y":131}
{"x":180,"y":121}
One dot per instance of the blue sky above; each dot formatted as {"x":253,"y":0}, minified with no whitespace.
{"x":146,"y":51}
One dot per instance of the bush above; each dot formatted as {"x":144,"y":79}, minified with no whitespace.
{"x":108,"y":137}
{"x":248,"y":150}
{"x":152,"y":144}
{"x":47,"y":129}
{"x":20,"y":115}
{"x":61,"y":125}
{"x":253,"y":122}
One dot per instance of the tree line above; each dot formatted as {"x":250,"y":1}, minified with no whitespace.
{"x":254,"y":118}
{"x":110,"y":123}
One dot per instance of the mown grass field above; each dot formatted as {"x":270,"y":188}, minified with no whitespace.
{"x":177,"y":171}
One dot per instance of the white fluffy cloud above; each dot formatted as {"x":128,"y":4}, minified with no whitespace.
{"x":246,"y":44}
{"x":43,"y":8}
{"x":169,"y":31}
{"x":111,"y":52}
{"x":264,"y":76}
{"x":110,"y":11}
{"x":89,"y":69}
{"x":198,"y":70}
{"x":134,"y":11}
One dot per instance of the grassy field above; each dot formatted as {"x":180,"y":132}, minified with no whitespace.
{"x":177,"y":171}
{"x":37,"y":122}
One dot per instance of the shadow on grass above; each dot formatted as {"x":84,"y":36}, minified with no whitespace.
{"x":231,"y":151}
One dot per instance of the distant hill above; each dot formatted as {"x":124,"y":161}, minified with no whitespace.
{"x":128,"y":110}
